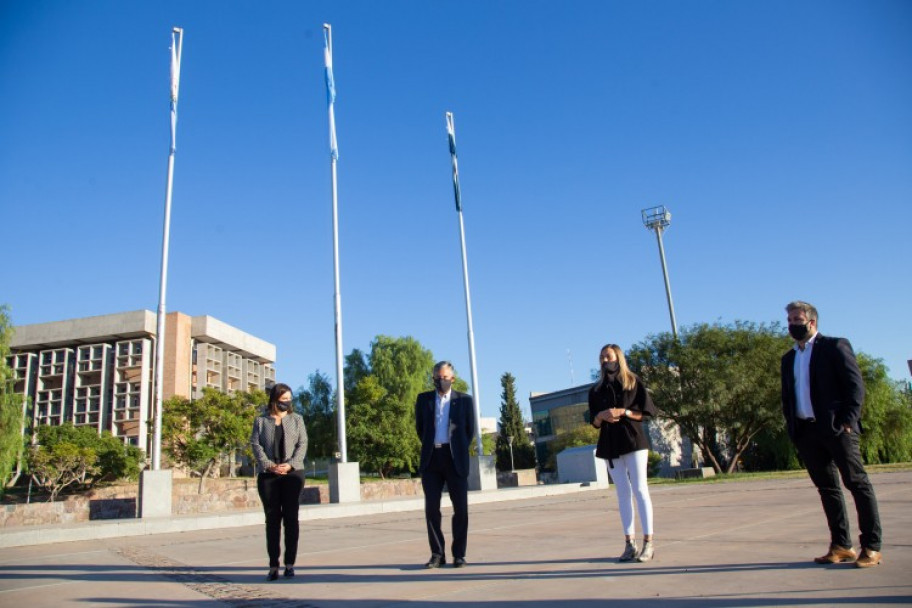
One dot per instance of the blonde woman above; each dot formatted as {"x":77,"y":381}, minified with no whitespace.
{"x":618,"y":403}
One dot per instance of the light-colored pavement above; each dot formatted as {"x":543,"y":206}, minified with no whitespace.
{"x":742,"y":544}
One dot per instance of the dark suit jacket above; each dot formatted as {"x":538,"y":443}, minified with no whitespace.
{"x":837,"y":388}
{"x":461,"y":432}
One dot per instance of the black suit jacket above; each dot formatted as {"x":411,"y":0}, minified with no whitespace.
{"x":837,"y":388}
{"x":461,"y":432}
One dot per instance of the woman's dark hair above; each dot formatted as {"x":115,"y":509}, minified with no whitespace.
{"x":277,"y":391}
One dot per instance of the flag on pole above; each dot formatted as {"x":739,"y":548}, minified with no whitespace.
{"x":330,"y":89}
{"x":451,"y":134}
{"x":177,"y":35}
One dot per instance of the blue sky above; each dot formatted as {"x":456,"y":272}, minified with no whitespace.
{"x":778,"y":133}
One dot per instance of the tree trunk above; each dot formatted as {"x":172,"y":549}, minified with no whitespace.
{"x":205,"y":475}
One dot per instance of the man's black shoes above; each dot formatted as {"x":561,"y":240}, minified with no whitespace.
{"x":436,"y":561}
{"x":459,"y":562}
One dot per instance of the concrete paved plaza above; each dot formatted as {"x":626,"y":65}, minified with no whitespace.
{"x":740,"y":544}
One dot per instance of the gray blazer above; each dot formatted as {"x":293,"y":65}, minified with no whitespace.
{"x":262,"y":441}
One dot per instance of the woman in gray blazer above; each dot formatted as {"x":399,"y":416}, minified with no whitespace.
{"x":279,"y":443}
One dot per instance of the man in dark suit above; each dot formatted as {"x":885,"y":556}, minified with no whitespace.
{"x":822,"y":394}
{"x":445,"y":420}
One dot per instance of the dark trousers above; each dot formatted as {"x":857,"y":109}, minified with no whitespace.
{"x":441,"y":470}
{"x":281,"y":496}
{"x":827,"y":456}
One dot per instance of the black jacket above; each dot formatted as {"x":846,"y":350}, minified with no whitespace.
{"x":627,"y":435}
{"x":837,"y":388}
{"x":461,"y":431}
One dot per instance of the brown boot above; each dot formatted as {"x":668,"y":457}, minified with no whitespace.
{"x":868,"y":558}
{"x":836,"y":554}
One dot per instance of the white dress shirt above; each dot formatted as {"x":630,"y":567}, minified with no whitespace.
{"x":442,"y":417}
{"x":803,"y":407}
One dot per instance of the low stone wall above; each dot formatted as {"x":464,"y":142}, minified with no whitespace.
{"x":219,"y":496}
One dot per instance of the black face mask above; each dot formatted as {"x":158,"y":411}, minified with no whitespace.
{"x":611,"y":367}
{"x":799,"y":331}
{"x":283,"y":406}
{"x":442,"y":384}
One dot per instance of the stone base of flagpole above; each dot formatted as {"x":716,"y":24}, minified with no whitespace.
{"x":155,"y":494}
{"x":482,"y":473}
{"x":344,"y":482}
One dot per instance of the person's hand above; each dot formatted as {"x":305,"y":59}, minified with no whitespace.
{"x":847,"y":428}
{"x":283,"y":469}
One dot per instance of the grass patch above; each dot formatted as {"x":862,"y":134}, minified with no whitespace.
{"x":766,"y":475}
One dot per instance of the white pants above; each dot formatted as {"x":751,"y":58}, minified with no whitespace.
{"x":629,"y":477}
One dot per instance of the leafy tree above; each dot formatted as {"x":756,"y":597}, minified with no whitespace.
{"x":115,"y":460}
{"x":318,"y":408}
{"x":380,"y":406}
{"x":60,"y":465}
{"x":886,"y":415}
{"x":488,"y":444}
{"x":12,"y":410}
{"x":68,"y":455}
{"x":199,"y":434}
{"x":580,"y":436}
{"x":512,"y":425}
{"x":719,"y":383}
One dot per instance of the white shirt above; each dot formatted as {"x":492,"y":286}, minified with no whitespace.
{"x":803,"y":407}
{"x":442,"y":417}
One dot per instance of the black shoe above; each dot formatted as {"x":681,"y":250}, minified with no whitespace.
{"x":273,"y":574}
{"x":459,"y":562}
{"x":289,"y":571}
{"x":436,"y":561}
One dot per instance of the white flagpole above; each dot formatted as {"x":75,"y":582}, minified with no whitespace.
{"x":177,"y":37}
{"x":451,"y":134}
{"x":337,"y":297}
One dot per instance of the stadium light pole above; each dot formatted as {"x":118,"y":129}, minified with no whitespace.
{"x":658,"y":219}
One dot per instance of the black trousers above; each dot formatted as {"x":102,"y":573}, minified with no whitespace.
{"x":441,"y":470}
{"x":281,"y":496}
{"x":827,"y":457}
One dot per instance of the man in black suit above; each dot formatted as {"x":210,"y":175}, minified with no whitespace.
{"x":445,"y":420}
{"x":822,"y":394}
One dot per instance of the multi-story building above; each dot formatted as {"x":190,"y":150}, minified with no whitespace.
{"x":100,"y":371}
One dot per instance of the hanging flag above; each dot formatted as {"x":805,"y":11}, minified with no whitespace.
{"x":177,"y":35}
{"x":451,"y":134}
{"x":330,"y":89}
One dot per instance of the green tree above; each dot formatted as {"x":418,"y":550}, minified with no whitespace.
{"x":318,"y":408}
{"x":380,"y":403}
{"x":61,"y":465}
{"x":12,"y":410}
{"x":719,"y":383}
{"x":488,"y":444}
{"x":115,"y":459}
{"x":199,"y":434}
{"x":886,"y":415}
{"x":68,"y":455}
{"x":512,"y":426}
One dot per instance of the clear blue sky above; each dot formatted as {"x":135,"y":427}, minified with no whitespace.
{"x":779,"y":134}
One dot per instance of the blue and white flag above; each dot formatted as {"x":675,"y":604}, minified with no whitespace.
{"x":451,"y":135}
{"x":330,"y":89}
{"x":177,"y":35}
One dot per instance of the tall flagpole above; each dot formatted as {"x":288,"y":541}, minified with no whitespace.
{"x":337,"y":298}
{"x":177,"y":37}
{"x":451,"y":133}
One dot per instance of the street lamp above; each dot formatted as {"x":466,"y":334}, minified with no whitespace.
{"x":658,"y":219}
{"x":510,"y":443}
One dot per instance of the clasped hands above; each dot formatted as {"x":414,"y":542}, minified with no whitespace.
{"x":280,"y":469}
{"x":611,"y":415}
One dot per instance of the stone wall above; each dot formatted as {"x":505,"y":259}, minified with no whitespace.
{"x":219,"y":496}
